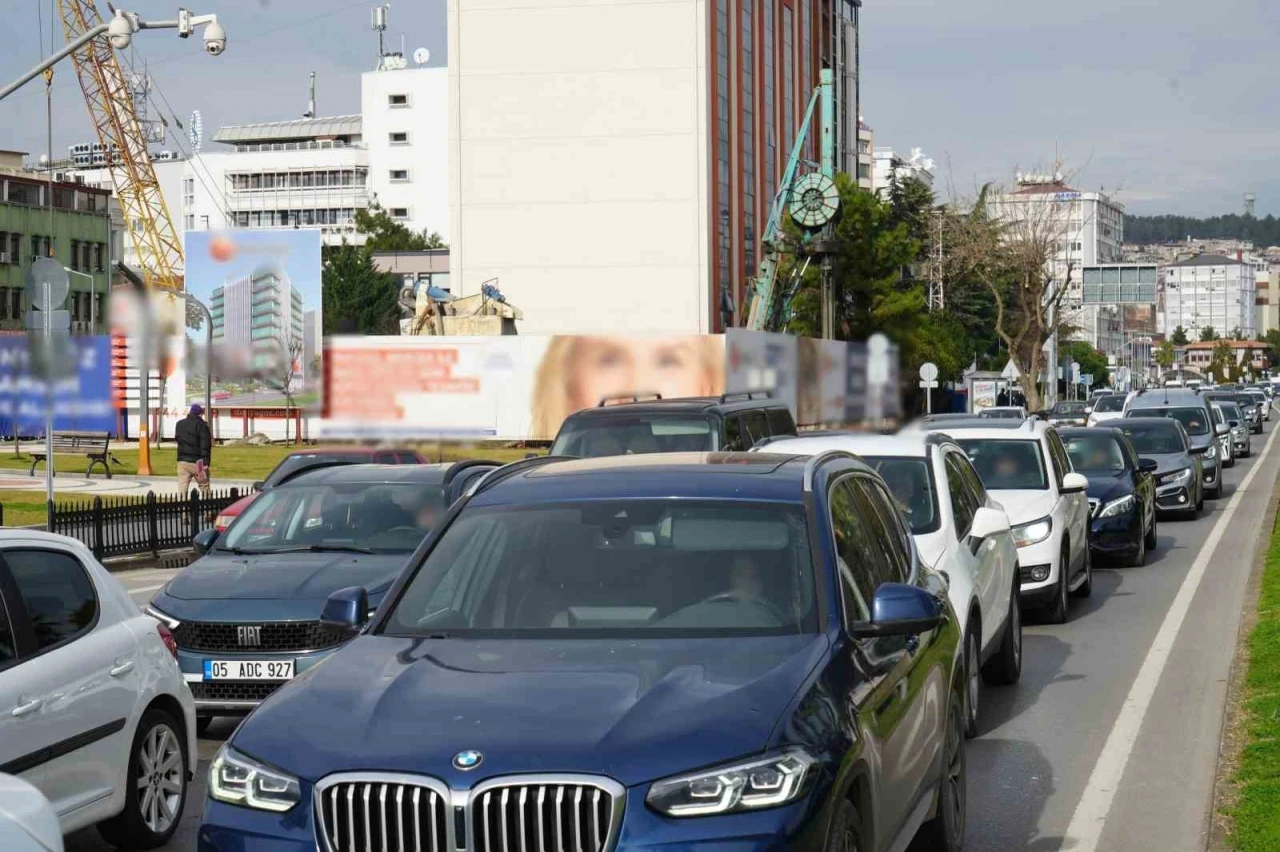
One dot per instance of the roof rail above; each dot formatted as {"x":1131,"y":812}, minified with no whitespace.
{"x":935,"y":438}
{"x":814,"y":462}
{"x":459,"y":466}
{"x":746,"y":395}
{"x":495,"y":476}
{"x":627,"y":397}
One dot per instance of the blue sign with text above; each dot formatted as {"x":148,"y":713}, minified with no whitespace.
{"x":82,"y":402}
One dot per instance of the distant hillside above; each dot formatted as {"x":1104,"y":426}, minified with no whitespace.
{"x":1146,"y":230}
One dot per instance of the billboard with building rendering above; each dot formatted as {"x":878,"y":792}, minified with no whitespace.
{"x":262,"y":290}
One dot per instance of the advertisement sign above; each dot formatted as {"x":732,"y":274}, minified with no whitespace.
{"x":83,"y":402}
{"x":984,"y":394}
{"x":262,"y":290}
{"x":823,"y":380}
{"x":763,"y":361}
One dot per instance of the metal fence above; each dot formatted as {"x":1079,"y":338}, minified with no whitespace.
{"x":131,"y":525}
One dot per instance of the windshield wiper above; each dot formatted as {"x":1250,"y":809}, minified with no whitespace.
{"x":325,"y":548}
{"x":240,"y":551}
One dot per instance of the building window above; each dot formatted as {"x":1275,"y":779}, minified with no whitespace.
{"x":48,"y":247}
{"x":770,"y":113}
{"x":399,"y":138}
{"x":15,"y":248}
{"x":399,"y":175}
{"x":399,"y":212}
{"x":788,"y":78}
{"x":748,"y":53}
{"x":723,"y":131}
{"x":75,"y":255}
{"x":806,"y":58}
{"x":398,"y":100}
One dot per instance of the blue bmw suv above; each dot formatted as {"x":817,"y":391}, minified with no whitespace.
{"x":720,"y":650}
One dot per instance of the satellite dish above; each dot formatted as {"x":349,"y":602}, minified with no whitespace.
{"x":195,"y":130}
{"x":421,"y":55}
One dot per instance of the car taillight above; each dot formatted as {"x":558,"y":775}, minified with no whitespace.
{"x":166,"y":636}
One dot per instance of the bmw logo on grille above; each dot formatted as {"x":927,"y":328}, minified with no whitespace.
{"x":465,"y":760}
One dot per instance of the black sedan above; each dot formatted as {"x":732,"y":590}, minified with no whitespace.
{"x":1074,"y":413}
{"x":1122,"y":504}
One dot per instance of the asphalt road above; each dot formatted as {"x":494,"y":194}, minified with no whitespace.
{"x":1110,"y":740}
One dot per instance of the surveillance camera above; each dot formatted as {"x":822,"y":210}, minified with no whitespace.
{"x":215,"y":39}
{"x":120,"y":31}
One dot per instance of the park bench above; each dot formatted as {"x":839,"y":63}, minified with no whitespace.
{"x":95,"y":446}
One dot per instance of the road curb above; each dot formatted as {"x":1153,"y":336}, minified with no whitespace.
{"x":1231,"y":739}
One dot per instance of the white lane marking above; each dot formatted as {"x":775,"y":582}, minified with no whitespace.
{"x":1090,"y":817}
{"x":142,"y":589}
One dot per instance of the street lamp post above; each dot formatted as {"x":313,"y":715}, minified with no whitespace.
{"x":208,"y":356}
{"x":93,"y":291}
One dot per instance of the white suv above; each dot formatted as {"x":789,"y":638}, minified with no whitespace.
{"x":958,"y":530}
{"x":1026,"y":468}
{"x":93,"y":709}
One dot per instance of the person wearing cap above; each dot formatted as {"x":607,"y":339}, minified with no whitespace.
{"x":195,"y":445}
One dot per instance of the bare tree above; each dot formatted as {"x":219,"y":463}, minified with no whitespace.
{"x":1015,"y":243}
{"x":287,"y":368}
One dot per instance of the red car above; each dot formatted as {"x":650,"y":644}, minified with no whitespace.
{"x":304,"y":460}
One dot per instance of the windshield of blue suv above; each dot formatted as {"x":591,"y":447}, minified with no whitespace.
{"x":1193,"y":418}
{"x":359,"y":516}
{"x":911,"y":485}
{"x":1153,"y":439}
{"x":1094,"y":453}
{"x":1007,"y":464}
{"x":615,"y":568}
{"x":616,"y":435}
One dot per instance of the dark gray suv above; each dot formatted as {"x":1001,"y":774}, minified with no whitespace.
{"x":1194,"y":411}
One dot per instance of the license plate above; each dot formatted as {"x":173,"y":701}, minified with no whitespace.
{"x":248,"y":669}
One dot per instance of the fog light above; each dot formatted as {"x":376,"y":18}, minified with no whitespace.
{"x":1182,"y":498}
{"x":1039,"y":573}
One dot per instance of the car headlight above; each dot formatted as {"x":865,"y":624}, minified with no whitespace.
{"x":1178,"y":477}
{"x":1212,"y":451}
{"x":749,"y":785}
{"x":167,"y":620}
{"x":1033,"y":532}
{"x":239,"y":780}
{"x":1117,"y":507}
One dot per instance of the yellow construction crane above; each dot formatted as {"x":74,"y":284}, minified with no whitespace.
{"x":146,"y":216}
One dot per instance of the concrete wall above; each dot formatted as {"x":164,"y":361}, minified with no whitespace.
{"x":425,"y":154}
{"x":578,"y":151}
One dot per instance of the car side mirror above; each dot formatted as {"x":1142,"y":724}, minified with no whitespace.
{"x":1088,"y":409}
{"x":900,"y":610}
{"x":257,"y":486}
{"x":1148,"y":465}
{"x":203,"y":541}
{"x":986,"y":523}
{"x":1221,"y":428}
{"x":1197,"y":451}
{"x":346,"y":608}
{"x":1074,"y":483}
{"x":1235,"y":423}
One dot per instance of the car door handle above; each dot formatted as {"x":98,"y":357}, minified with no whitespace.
{"x":28,"y":708}
{"x":121,"y":668}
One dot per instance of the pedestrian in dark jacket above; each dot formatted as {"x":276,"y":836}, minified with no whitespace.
{"x":195,"y":446}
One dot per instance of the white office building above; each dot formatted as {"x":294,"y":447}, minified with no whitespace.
{"x":1089,"y":227}
{"x":891,"y":166}
{"x":1210,"y":291}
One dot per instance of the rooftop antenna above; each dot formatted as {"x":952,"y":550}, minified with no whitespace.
{"x":311,"y":104}
{"x":380,"y":14}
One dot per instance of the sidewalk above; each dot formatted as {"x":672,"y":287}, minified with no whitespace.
{"x":71,"y":485}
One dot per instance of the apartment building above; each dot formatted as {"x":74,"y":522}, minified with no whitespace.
{"x":627,"y":180}
{"x":261,"y":313}
{"x":1211,"y":291}
{"x":891,"y":166}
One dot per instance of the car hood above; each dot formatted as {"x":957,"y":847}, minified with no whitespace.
{"x":1106,"y":486}
{"x":1023,"y":506}
{"x":631,"y":709}
{"x":305,"y":578}
{"x":1103,"y":416}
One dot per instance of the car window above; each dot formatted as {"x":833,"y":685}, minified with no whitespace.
{"x":1153,"y":439}
{"x":615,"y":568}
{"x":855,"y":554}
{"x":384,"y":458}
{"x":298,"y":461}
{"x":1233,"y":411}
{"x":894,"y":525}
{"x":1095,"y":453}
{"x":756,"y":426}
{"x":618,"y":435}
{"x":1218,"y":419}
{"x":56,"y":591}
{"x":972,"y":481}
{"x":1193,"y":418}
{"x":962,"y":506}
{"x":1007,"y":463}
{"x":8,"y":646}
{"x":1111,"y":402}
{"x":406,"y":458}
{"x":780,"y":422}
{"x":733,"y":441}
{"x":911,"y":488}
{"x":1062,"y":462}
{"x":887,"y":560}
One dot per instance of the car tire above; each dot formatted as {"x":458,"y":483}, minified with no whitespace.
{"x":945,"y":832}
{"x":1060,"y":608}
{"x":1152,"y":536}
{"x":1005,"y":668}
{"x":972,"y":682}
{"x":202,"y":725}
{"x":1086,"y":588}
{"x":144,"y":823}
{"x":846,"y":830}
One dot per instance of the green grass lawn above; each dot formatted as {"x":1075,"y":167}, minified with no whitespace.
{"x":22,"y":508}
{"x":1257,"y":812}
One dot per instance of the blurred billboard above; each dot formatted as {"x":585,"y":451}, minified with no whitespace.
{"x":522,"y":387}
{"x":262,"y":290}
{"x":83,"y":402}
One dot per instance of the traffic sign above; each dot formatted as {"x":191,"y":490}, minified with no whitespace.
{"x":45,"y":271}
{"x":928,"y":371}
{"x":1086,"y":379}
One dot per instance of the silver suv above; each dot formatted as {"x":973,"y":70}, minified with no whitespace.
{"x":1195,"y":412}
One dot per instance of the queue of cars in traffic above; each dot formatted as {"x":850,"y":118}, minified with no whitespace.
{"x":689,"y":624}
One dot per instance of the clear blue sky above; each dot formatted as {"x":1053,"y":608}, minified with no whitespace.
{"x":1170,"y":105}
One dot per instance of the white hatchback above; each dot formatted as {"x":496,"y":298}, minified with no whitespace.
{"x":958,"y":530}
{"x":94,"y":712}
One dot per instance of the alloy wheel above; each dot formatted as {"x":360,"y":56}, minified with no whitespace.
{"x":954,"y":788}
{"x":160,"y":782}
{"x":973,"y":678}
{"x":1015,"y":621}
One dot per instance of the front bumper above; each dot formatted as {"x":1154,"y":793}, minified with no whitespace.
{"x":1045,"y":554}
{"x":228,"y":828}
{"x":1118,"y":533}
{"x":237,"y":697}
{"x":1175,"y":498}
